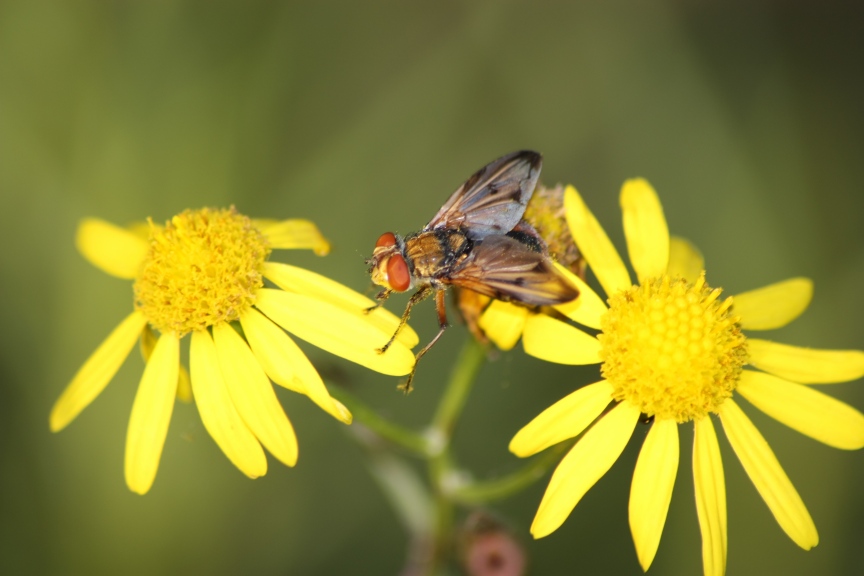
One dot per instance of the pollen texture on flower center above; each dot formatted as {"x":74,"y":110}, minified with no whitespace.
{"x":203,"y":268}
{"x":671,"y":348}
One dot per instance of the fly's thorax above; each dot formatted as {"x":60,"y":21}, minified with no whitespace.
{"x":434,"y":253}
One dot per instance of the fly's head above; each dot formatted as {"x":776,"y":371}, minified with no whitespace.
{"x":387,"y":264}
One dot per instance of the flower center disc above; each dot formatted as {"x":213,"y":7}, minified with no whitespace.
{"x":203,"y":268}
{"x":671,"y":348}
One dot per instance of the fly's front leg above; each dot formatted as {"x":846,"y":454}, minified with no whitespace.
{"x":442,"y":326}
{"x":418,"y":296}
{"x":380,"y":298}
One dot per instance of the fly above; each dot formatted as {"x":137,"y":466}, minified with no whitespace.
{"x":477,"y":241}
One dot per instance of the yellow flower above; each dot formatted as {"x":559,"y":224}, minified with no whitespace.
{"x":672,"y":350}
{"x":196,"y":275}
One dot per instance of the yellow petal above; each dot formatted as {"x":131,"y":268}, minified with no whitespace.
{"x":502,"y":322}
{"x":289,"y":234}
{"x":217,"y":410}
{"x":302,"y":281}
{"x":286,"y":364}
{"x":96,"y":372}
{"x":710,"y":497}
{"x":817,"y":415}
{"x":806,"y":365}
{"x":151,"y":414}
{"x":768,"y":476}
{"x":148,"y":342}
{"x":595,"y":244}
{"x":340,"y":332}
{"x":556,"y":341}
{"x":112,"y":249}
{"x":184,"y":386}
{"x":583,"y":466}
{"x":565,"y":419}
{"x":775,"y":305}
{"x":588,"y":308}
{"x":645,"y":229}
{"x":685,"y":260}
{"x":253,"y":395}
{"x":651,"y":490}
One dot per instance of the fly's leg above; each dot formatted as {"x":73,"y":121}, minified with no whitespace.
{"x":442,"y":326}
{"x":379,"y":300}
{"x":418,"y":296}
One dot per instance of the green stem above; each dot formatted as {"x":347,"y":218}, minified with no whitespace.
{"x":442,"y":529}
{"x":434,"y":447}
{"x":536,"y":468}
{"x":462,"y":379}
{"x":399,"y":435}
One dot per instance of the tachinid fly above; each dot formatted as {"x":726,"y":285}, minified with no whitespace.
{"x":477,"y":241}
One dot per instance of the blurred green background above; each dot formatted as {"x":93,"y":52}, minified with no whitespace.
{"x":364,"y":117}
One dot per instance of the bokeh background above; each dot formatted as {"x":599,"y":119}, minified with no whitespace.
{"x":364,"y":116}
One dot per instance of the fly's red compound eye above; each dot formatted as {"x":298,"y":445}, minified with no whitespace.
{"x":386,"y":240}
{"x":398,"y":275}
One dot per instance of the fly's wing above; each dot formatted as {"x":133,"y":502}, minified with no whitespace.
{"x":493,"y":200}
{"x":504,"y":268}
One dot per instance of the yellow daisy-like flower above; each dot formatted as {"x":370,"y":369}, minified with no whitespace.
{"x":673,"y":350}
{"x":196,"y":275}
